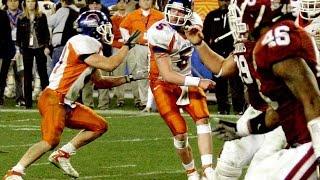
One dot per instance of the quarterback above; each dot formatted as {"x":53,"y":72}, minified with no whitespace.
{"x":174,"y":87}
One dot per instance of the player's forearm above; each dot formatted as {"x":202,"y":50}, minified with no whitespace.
{"x":106,"y":82}
{"x":114,"y":61}
{"x":210,"y":59}
{"x":173,"y":77}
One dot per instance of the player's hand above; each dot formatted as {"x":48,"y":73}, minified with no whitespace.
{"x":207,"y":84}
{"x":132,"y":39}
{"x":225,"y":130}
{"x":194,"y":34}
{"x":16,"y":56}
{"x":46,"y":51}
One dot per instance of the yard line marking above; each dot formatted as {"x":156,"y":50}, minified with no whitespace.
{"x":18,"y":126}
{"x":104,"y":141}
{"x":27,"y":129}
{"x":20,"y":120}
{"x":116,"y":111}
{"x":113,"y":111}
{"x":120,"y":166}
{"x":40,"y":164}
{"x":138,"y":139}
{"x":133,"y":175}
{"x":158,"y":172}
{"x":16,"y":145}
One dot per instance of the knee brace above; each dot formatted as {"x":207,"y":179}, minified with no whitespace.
{"x":225,"y":170}
{"x":181,"y":144}
{"x":203,"y":128}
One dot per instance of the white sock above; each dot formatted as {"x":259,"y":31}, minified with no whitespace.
{"x":189,"y":166}
{"x":19,"y":168}
{"x":206,"y":159}
{"x":69,"y":148}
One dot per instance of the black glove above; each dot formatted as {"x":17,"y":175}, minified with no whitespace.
{"x":132,"y":39}
{"x":225,"y":130}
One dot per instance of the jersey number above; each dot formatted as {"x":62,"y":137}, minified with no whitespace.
{"x":244,"y":72}
{"x":160,"y":26}
{"x":277,"y":37}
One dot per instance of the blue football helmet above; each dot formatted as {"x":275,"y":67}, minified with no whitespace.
{"x":178,"y":12}
{"x":95,"y":24}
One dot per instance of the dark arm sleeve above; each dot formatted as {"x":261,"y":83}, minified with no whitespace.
{"x":18,"y":33}
{"x":46,"y":30}
{"x":6,"y":39}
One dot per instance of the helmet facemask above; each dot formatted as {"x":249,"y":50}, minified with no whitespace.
{"x":238,"y":28}
{"x":309,"y":9}
{"x":105,"y":30}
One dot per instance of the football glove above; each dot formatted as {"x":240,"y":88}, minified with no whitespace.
{"x":225,"y":130}
{"x":132,"y":39}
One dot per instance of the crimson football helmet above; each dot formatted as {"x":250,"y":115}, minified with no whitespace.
{"x":309,"y":9}
{"x":178,"y":12}
{"x":95,"y":24}
{"x":247,"y":15}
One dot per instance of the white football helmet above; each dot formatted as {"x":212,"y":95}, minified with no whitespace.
{"x":177,"y":12}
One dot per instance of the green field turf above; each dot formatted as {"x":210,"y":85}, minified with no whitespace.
{"x":137,"y":146}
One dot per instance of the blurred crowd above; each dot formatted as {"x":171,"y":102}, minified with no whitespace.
{"x":40,"y":29}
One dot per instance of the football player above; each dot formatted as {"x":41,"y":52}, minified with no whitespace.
{"x":284,"y":64}
{"x":81,"y":58}
{"x":237,"y":154}
{"x":173,"y":86}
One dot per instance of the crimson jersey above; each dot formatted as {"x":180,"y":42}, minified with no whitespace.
{"x":243,"y":57}
{"x":284,"y":40}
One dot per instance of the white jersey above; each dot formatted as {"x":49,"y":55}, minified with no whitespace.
{"x":70,"y":73}
{"x":164,"y":38}
{"x":314,"y":30}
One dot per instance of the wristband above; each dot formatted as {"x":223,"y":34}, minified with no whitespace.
{"x":242,"y":128}
{"x":314,"y":129}
{"x":219,"y":74}
{"x":191,"y":81}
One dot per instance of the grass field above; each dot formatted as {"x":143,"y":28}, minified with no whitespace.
{"x":137,"y":146}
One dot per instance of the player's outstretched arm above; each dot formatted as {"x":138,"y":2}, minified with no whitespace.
{"x":213,"y":61}
{"x":112,"y":62}
{"x":106,"y":82}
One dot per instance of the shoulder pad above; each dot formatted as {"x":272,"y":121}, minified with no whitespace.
{"x":160,"y":34}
